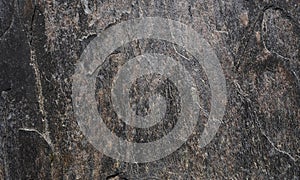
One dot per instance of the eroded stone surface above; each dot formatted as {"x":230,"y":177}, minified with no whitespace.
{"x":257,"y":43}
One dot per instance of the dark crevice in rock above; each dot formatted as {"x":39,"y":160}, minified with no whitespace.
{"x":116,"y":176}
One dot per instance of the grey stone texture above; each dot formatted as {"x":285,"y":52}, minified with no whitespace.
{"x":257,"y":43}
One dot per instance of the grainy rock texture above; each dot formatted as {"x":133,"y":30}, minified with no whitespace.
{"x":257,"y":43}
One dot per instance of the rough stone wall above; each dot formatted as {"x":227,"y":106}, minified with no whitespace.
{"x":257,"y":43}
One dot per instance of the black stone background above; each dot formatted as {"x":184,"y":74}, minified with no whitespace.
{"x":257,"y":43}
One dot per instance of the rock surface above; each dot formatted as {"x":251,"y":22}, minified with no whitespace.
{"x":257,"y":43}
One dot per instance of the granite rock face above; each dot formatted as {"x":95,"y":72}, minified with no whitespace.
{"x":257,"y":44}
